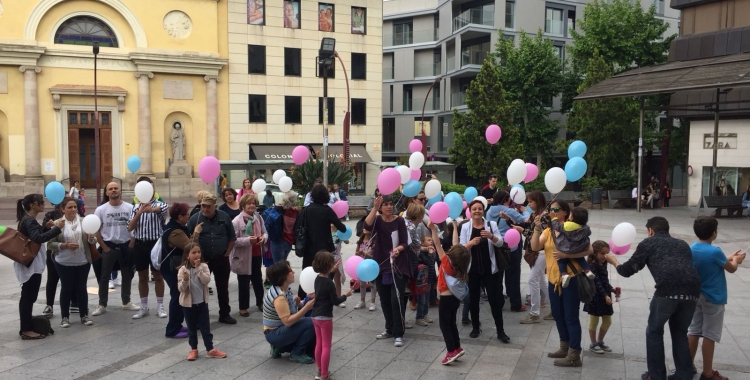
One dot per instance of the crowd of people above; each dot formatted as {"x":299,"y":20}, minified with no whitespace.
{"x":421,"y":263}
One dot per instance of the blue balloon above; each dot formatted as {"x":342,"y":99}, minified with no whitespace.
{"x":434,"y":200}
{"x":134,"y":163}
{"x":345,"y":235}
{"x":577,"y":149}
{"x":368,"y":270}
{"x":518,"y":185}
{"x":455,"y":204}
{"x":575,"y":169}
{"x":411,"y":188}
{"x":470,"y":193}
{"x":55,"y":192}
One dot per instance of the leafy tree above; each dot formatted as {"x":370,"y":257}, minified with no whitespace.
{"x":487,"y":105}
{"x":303,"y":176}
{"x":531,"y":75}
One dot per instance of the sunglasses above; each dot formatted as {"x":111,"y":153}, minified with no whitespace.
{"x":554,"y":209}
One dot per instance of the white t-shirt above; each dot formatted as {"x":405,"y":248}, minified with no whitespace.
{"x":635,"y":192}
{"x":115,"y":222}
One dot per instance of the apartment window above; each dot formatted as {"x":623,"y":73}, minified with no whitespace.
{"x":553,"y":23}
{"x":402,"y":33}
{"x":257,"y":108}
{"x":389,"y":135}
{"x":292,"y":62}
{"x":559,"y":51}
{"x":256,"y":59}
{"x":659,"y":4}
{"x":293,"y":108}
{"x":390,"y":101}
{"x":359,"y":111}
{"x":331,"y":112}
{"x":510,"y":14}
{"x":407,"y":97}
{"x":359,"y":66}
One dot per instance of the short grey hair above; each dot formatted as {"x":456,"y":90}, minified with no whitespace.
{"x":289,"y":199}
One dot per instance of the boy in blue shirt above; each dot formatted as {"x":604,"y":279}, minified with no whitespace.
{"x":708,"y":318}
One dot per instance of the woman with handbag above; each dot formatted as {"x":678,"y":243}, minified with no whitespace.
{"x":537,"y":262}
{"x":72,"y":253}
{"x":30,"y":277}
{"x":482,"y":238}
{"x":246,"y":257}
{"x":565,"y":302}
{"x":177,"y":237}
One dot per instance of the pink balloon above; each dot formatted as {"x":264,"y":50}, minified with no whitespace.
{"x":531,"y":172}
{"x":493,"y":134}
{"x":512,"y":238}
{"x":300,"y":154}
{"x":209,"y":169}
{"x":618,"y":250}
{"x":416,"y":174}
{"x":415,"y":146}
{"x":465,"y":205}
{"x":341,"y":208}
{"x":439,"y":212}
{"x":389,"y":181}
{"x":468,"y":214}
{"x":351,"y":266}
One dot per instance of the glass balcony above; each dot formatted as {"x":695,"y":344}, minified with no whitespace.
{"x":553,"y":27}
{"x":450,"y":64}
{"x":473,"y":57}
{"x":433,"y":104}
{"x":407,"y":104}
{"x":458,"y":99}
{"x":387,"y":73}
{"x":427,"y":70}
{"x":411,"y":37}
{"x":474,"y":16}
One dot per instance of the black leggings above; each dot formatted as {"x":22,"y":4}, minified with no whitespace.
{"x":447,"y":313}
{"x":492,"y":284}
{"x":29,"y":293}
{"x":243,"y":284}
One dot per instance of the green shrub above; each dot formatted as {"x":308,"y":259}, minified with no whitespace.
{"x":618,"y":179}
{"x":451,"y":187}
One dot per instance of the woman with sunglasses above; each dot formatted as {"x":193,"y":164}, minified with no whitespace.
{"x":537,"y":262}
{"x":564,"y":301}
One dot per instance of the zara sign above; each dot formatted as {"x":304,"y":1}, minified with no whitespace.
{"x":725,"y":141}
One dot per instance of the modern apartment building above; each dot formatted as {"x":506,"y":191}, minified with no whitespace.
{"x":276,"y":87}
{"x":429,"y":40}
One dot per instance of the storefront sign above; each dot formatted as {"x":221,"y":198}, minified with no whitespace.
{"x":289,"y":156}
{"x":725,"y":141}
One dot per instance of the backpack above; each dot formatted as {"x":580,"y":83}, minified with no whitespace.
{"x":41,"y":325}
{"x":300,"y":234}
{"x":422,"y":280}
{"x":157,"y":252}
{"x":274,"y":224}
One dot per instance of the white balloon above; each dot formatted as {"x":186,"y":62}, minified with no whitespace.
{"x":623,"y":234}
{"x":144,"y":191}
{"x":432,"y":188}
{"x":416,"y":160}
{"x":481,"y":199}
{"x":405,"y":172}
{"x":516,"y":171}
{"x":259,"y":186}
{"x":285,"y":184}
{"x":555,"y":180}
{"x":91,"y":224}
{"x":518,"y":195}
{"x":278,"y":175}
{"x":307,"y":280}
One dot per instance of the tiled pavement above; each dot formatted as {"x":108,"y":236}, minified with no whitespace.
{"x":118,"y":347}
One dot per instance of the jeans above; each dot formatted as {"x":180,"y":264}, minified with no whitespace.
{"x":393,"y":303}
{"x":29,"y":294}
{"x":679,"y":314}
{"x":52,"y":280}
{"x":196,"y":318}
{"x":117,"y":253}
{"x":176,"y":316}
{"x":323,"y":334}
{"x":73,"y":280}
{"x":538,"y":284}
{"x":513,"y":279}
{"x":280,"y":250}
{"x":493,"y":284}
{"x":423,"y":303}
{"x":465,"y":309}
{"x":298,"y":336}
{"x":219,"y":266}
{"x":447,"y":314}
{"x":565,"y":309}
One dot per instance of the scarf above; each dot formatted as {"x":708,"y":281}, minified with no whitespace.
{"x":72,"y":231}
{"x":250,"y":220}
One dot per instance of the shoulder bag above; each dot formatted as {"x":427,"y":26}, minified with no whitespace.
{"x":17,"y":246}
{"x":502,"y":254}
{"x":586,"y":287}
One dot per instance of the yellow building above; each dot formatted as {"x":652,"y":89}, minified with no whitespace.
{"x":161,"y":76}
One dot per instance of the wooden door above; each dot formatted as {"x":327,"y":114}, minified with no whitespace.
{"x":82,"y":147}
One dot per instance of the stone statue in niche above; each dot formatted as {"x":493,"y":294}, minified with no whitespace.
{"x":178,"y":142}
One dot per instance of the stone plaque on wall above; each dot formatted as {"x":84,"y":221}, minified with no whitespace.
{"x":178,"y":89}
{"x":3,"y":82}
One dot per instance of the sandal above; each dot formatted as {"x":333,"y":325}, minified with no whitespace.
{"x":29,"y":337}
{"x":245,"y":314}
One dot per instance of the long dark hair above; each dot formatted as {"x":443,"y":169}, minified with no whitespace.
{"x":23,"y":205}
{"x":186,"y":253}
{"x":459,"y":258}
{"x":597,"y":246}
{"x":538,"y":198}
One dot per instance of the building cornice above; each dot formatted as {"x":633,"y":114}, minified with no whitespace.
{"x":186,"y":63}
{"x":21,"y":55}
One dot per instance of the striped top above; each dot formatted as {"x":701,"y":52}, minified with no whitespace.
{"x":150,"y":225}
{"x":271,"y":319}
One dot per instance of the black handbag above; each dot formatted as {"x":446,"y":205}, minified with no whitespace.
{"x":502,"y":254}
{"x":586,"y":287}
{"x":300,"y":234}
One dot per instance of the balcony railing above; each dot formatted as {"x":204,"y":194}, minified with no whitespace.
{"x":474,"y":16}
{"x":433,"y":104}
{"x":407,"y":104}
{"x":553,"y":27}
{"x":458,"y":99}
{"x":473,"y":57}
{"x":450,"y":64}
{"x":387,"y":73}
{"x":427,"y":70}
{"x":411,"y":37}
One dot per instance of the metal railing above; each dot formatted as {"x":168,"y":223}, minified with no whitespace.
{"x":411,"y":37}
{"x":458,"y":99}
{"x":427,"y":70}
{"x":388,"y":73}
{"x":473,"y":57}
{"x":473,"y":16}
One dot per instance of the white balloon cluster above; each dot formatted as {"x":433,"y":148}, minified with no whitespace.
{"x":280,"y":178}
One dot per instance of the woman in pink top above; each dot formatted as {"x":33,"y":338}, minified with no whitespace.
{"x":247,"y":188}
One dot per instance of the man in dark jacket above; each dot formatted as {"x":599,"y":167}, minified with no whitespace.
{"x":678,"y":287}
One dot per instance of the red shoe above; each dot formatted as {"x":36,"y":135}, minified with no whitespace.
{"x":192,"y":355}
{"x":216,"y":354}
{"x":459,"y":352}
{"x":449,"y":358}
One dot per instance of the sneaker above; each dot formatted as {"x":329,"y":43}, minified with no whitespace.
{"x":372,"y":306}
{"x":65,"y":323}
{"x":449,"y":358}
{"x":465,"y":322}
{"x":117,"y":282}
{"x":549,"y":317}
{"x":421,"y":322}
{"x":342,"y":305}
{"x":317,"y":375}
{"x":160,"y":311}
{"x":590,"y":275}
{"x":565,"y":280}
{"x":216,"y":354}
{"x":503,"y":337}
{"x":142,"y":312}
{"x":475,"y":332}
{"x":87,"y":321}
{"x":529,"y":319}
{"x":192,"y":355}
{"x":228,"y":320}
{"x":399,"y":342}
{"x":383,"y":335}
{"x":594,"y":347}
{"x":111,"y":284}
{"x":714,"y":376}
{"x":428,"y":319}
{"x":47,"y":312}
{"x":302,"y":359}
{"x":604,"y":347}
{"x":459,"y":352}
{"x":408,"y":326}
{"x":99,"y":310}
{"x":359,"y":305}
{"x":131,"y":307}
{"x":74,"y":309}
{"x":275,"y":352}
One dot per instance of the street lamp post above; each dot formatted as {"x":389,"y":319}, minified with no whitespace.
{"x":421,"y":124}
{"x":348,"y":116}
{"x":97,"y":159}
{"x":325,"y":60}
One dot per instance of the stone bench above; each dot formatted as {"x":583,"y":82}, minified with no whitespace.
{"x":732,"y":203}
{"x":625,"y":196}
{"x":568,"y":197}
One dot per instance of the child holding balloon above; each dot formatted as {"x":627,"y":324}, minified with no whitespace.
{"x":570,"y":237}
{"x":338,"y":276}
{"x":364,"y":250}
{"x":601,"y":305}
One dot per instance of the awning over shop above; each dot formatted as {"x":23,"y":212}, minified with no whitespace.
{"x":357,"y":153}
{"x":429,"y":165}
{"x":709,"y":73}
{"x":283,"y":152}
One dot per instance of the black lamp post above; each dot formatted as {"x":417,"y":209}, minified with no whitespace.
{"x":97,"y":159}
{"x":325,"y":61}
{"x":424,"y":135}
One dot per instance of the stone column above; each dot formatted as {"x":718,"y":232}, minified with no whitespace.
{"x":212,"y":116}
{"x":31,"y":122}
{"x":144,"y":123}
